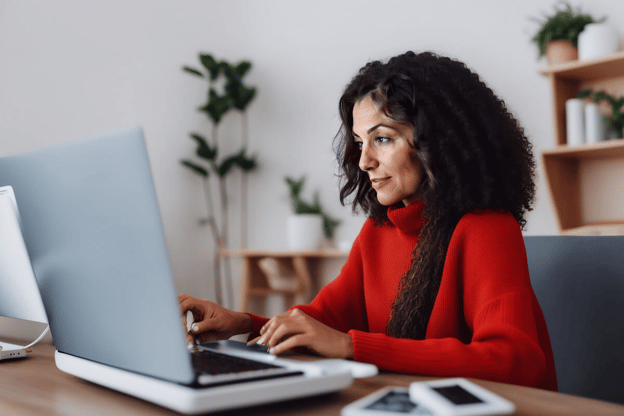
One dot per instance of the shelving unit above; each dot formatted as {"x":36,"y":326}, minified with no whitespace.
{"x":562,"y":164}
{"x":294,"y":265}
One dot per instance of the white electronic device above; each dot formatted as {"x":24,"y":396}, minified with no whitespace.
{"x":458,"y":397}
{"x":445,"y":397}
{"x":19,"y":294}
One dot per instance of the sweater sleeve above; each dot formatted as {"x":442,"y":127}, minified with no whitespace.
{"x":486,"y":279}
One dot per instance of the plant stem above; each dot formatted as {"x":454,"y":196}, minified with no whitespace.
{"x":244,"y":184}
{"x":224,"y":240}
{"x":217,"y":238}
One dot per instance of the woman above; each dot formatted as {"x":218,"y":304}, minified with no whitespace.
{"x":437,"y":281}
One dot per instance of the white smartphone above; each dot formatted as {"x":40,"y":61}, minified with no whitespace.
{"x":389,"y":401}
{"x":458,"y":397}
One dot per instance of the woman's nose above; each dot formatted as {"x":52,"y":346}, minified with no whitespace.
{"x":368,"y":160}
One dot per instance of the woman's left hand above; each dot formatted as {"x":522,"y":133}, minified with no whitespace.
{"x":296,"y":329}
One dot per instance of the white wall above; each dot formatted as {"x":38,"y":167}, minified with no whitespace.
{"x":71,"y":68}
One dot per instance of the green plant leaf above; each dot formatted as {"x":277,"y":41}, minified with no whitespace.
{"x":246,"y":163}
{"x":193,"y":71}
{"x":203,"y":148}
{"x":329,"y":225}
{"x":236,"y":160}
{"x":200,"y":170}
{"x":295,"y":186}
{"x":240,"y":94}
{"x":302,"y":207}
{"x":211,"y":65}
{"x":217,"y":106}
{"x":584,"y":94}
{"x":226,"y":165}
{"x":242,"y":68}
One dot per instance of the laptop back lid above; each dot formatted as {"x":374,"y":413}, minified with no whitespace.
{"x":92,"y":227}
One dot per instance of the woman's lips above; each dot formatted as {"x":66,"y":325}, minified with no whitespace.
{"x":377,"y":182}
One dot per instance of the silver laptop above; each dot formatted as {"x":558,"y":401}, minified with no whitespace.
{"x":92,"y":228}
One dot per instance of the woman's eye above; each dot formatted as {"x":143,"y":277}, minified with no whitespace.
{"x":383,"y":139}
{"x":359,"y":144}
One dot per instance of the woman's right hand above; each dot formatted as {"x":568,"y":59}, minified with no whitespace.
{"x":212,"y":322}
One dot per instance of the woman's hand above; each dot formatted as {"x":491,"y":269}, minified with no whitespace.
{"x":296,"y":329}
{"x":212,"y":322}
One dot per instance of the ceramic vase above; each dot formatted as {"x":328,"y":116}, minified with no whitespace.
{"x":305,"y":232}
{"x":575,"y":122}
{"x":597,"y":40}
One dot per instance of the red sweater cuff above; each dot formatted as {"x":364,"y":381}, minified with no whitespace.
{"x":258,"y":322}
{"x":367,"y":347}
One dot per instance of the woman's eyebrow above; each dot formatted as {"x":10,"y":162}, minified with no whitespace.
{"x":375,"y":127}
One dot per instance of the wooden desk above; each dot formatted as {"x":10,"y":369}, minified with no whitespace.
{"x":295,"y":264}
{"x":34,"y":386}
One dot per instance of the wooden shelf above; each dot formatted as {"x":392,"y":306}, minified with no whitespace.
{"x":562,"y":163}
{"x":292,"y":275}
{"x":601,"y":68}
{"x":602,"y":150}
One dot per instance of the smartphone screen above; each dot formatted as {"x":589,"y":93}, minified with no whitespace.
{"x":457,"y":395}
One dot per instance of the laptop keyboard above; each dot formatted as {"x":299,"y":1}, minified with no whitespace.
{"x":214,"y":368}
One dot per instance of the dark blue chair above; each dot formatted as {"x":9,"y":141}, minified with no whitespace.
{"x":579,"y":282}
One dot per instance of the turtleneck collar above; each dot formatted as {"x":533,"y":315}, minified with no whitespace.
{"x":407,"y":219}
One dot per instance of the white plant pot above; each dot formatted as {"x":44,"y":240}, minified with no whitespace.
{"x":595,"y":125}
{"x":305,"y":232}
{"x":575,"y":122}
{"x":597,"y":40}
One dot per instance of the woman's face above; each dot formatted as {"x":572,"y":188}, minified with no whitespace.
{"x":387,"y":154}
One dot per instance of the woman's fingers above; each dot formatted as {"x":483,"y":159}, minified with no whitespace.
{"x":298,"y":340}
{"x":253,"y":341}
{"x":280,"y":332}
{"x":282,"y":327}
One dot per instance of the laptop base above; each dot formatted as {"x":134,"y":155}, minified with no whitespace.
{"x":191,"y":400}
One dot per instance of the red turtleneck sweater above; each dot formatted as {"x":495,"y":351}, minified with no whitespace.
{"x":486,"y":322}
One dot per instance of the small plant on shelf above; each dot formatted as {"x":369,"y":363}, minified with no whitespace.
{"x":567,"y":23}
{"x":300,"y":206}
{"x":615,"y":120}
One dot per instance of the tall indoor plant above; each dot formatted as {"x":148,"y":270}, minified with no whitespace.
{"x":212,"y":167}
{"x":558,"y":35}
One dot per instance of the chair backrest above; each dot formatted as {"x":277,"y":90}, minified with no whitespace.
{"x":579,"y":282}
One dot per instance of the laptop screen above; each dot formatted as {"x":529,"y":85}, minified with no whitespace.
{"x":92,"y":227}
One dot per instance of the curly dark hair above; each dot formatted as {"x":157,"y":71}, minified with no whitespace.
{"x":473,"y":150}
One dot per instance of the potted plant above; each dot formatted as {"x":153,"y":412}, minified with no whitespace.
{"x":214,"y":167}
{"x":615,"y":120}
{"x":309,"y":222}
{"x":558,"y":35}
